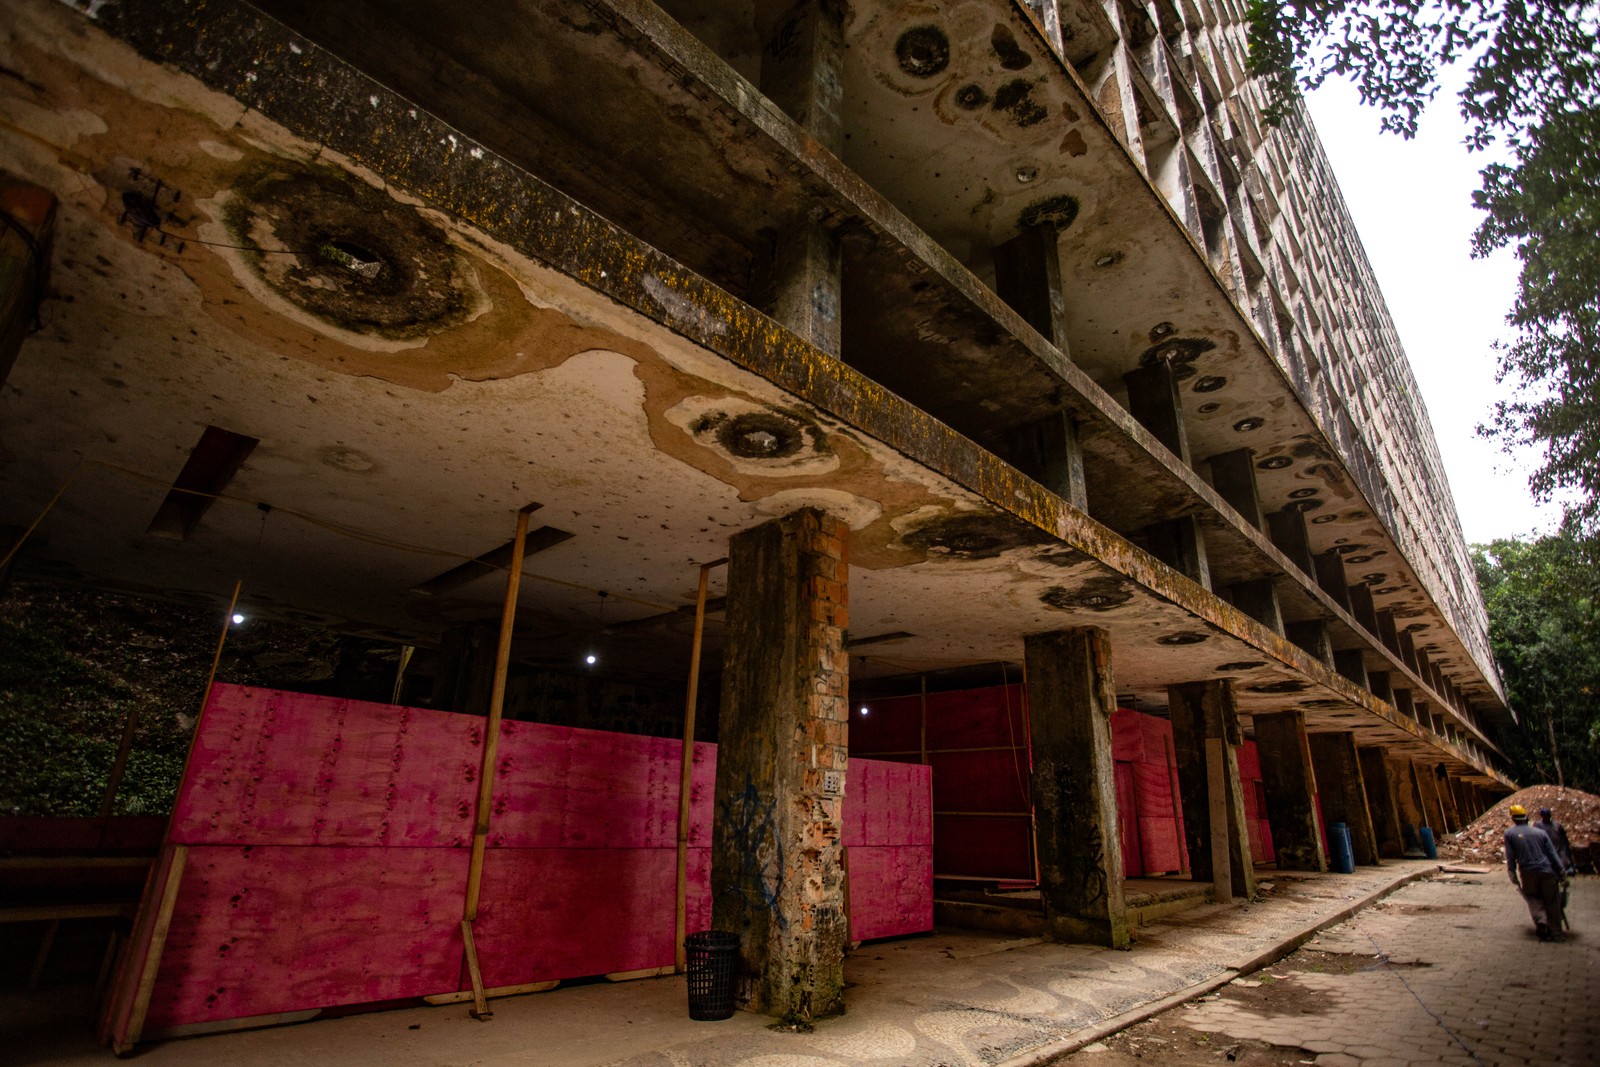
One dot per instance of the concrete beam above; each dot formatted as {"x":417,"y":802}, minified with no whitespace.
{"x":1259,"y":600}
{"x":1344,"y":797}
{"x":1027,"y":276}
{"x":1205,"y":732}
{"x":1382,"y":804}
{"x":1047,"y":450}
{"x":1362,"y":608}
{"x":1233,"y":475}
{"x":1290,"y":785}
{"x":802,"y":66}
{"x":1330,"y":575}
{"x":777,"y":871}
{"x":1071,"y":695}
{"x":1180,"y":544}
{"x":24,"y":264}
{"x":1352,"y":664}
{"x":1312,"y":635}
{"x":1288,"y":531}
{"x":1153,"y":400}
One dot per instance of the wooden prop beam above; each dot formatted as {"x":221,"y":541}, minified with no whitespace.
{"x":681,"y":912}
{"x":491,"y":744}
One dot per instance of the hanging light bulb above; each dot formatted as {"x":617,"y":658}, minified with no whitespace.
{"x":238,"y":618}
{"x":592,"y":657}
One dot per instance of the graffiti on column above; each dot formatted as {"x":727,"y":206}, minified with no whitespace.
{"x":752,"y":822}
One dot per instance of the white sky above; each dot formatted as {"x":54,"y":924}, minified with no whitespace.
{"x":1412,"y":203}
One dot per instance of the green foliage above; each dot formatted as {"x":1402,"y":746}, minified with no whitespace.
{"x":1543,"y":598}
{"x":1533,"y":88}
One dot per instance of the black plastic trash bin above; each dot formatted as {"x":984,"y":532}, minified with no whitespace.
{"x":709,"y":959}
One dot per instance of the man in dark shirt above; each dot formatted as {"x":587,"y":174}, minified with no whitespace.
{"x":1558,"y":837}
{"x":1534,"y":867}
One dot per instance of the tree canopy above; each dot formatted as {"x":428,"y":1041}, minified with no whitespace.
{"x":1533,"y":89}
{"x":1543,"y":597}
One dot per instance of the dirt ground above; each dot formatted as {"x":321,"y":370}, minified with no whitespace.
{"x":1164,"y":1042}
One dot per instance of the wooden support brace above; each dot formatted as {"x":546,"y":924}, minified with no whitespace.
{"x":686,"y":772}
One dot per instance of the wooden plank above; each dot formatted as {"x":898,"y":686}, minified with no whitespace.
{"x":156,"y":946}
{"x":227,"y":1026}
{"x":461,"y":996}
{"x":1217,"y":802}
{"x":30,"y":913}
{"x":686,"y":771}
{"x":642,"y":972}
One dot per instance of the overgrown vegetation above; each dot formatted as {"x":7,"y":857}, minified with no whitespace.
{"x":1543,"y":597}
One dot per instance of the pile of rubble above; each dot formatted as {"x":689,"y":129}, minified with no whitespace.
{"x":1578,"y":811}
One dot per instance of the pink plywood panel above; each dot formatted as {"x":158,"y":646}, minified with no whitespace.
{"x":891,"y":891}
{"x":892,"y":724}
{"x":300,"y":769}
{"x":1128,"y":820}
{"x":1159,"y":845}
{"x":887,"y":803}
{"x":977,"y":718}
{"x":568,"y":913}
{"x":981,"y":781}
{"x":1249,"y":761}
{"x":271,"y":929}
{"x":562,"y":787}
{"x":1127,"y":735}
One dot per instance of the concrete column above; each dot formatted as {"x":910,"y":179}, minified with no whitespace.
{"x":1291,"y":787}
{"x":1381,"y":802}
{"x":777,"y":877}
{"x":801,"y":72}
{"x":1387,"y":632}
{"x":1027,"y":275}
{"x":1233,"y":476}
{"x":1353,"y":665}
{"x":1330,"y":576}
{"x":1463,"y":801}
{"x":1406,"y":705}
{"x":1153,"y":399}
{"x":1311,"y":635}
{"x":1205,"y":731}
{"x":1447,"y":800}
{"x":1408,"y":653}
{"x":1344,"y":797}
{"x":1288,"y":531}
{"x":1406,"y":802}
{"x":1071,"y":695}
{"x":1047,"y":451}
{"x":1179,"y":544}
{"x":1361,"y":606}
{"x":24,"y":264}
{"x":1259,"y":600}
{"x":1432,"y":815}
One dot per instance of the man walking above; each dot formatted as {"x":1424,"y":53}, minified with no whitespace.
{"x":1558,"y":837}
{"x":1534,"y":867}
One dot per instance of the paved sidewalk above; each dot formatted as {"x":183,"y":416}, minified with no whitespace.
{"x":1444,"y":971}
{"x":954,"y":998}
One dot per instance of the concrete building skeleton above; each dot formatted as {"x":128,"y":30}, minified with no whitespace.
{"x":1009,"y":328}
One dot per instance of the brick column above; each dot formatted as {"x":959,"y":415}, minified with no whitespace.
{"x":1205,"y":730}
{"x":1071,"y":695}
{"x":1381,"y":802}
{"x":1291,"y":788}
{"x":777,"y":875}
{"x":1344,"y":797}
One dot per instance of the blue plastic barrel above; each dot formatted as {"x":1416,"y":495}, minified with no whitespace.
{"x":1430,"y":847}
{"x":1343,"y":857}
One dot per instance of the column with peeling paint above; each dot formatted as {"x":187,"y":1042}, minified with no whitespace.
{"x":1205,"y":731}
{"x":1344,"y":796}
{"x":1071,"y":695}
{"x":777,"y":877}
{"x":1291,"y":791}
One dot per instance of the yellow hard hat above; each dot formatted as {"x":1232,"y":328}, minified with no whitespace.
{"x":1518,"y":811}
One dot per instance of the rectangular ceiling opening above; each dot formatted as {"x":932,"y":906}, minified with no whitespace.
{"x":211,"y":466}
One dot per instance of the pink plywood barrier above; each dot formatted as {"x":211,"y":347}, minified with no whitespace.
{"x":327,"y":850}
{"x":888,"y":830}
{"x":1255,"y":803}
